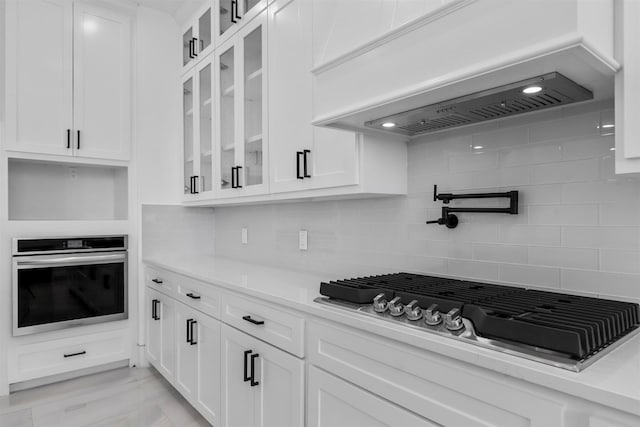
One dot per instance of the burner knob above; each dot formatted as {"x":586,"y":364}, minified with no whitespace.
{"x":453,"y":320}
{"x":432,"y":316}
{"x":413,"y":311}
{"x":380,"y":303}
{"x":395,"y":307}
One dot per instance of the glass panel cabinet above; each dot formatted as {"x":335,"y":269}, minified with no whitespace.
{"x":198,"y":115}
{"x":234,"y":14}
{"x":242,"y":132}
{"x":197,"y":40}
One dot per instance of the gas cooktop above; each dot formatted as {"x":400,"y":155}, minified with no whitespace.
{"x":566,"y":331}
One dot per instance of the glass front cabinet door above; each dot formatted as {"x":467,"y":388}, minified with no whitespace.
{"x":232,"y":15}
{"x":241,"y":140}
{"x":197,"y":40}
{"x":198,"y":114}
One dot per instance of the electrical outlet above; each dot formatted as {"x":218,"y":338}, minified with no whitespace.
{"x":73,"y":173}
{"x":302,"y":240}
{"x":245,"y":236}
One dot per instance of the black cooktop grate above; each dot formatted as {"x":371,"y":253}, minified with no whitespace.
{"x":575,"y":325}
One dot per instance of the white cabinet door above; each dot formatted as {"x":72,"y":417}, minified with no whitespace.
{"x":161,"y":332}
{"x":196,"y":37}
{"x":198,"y":360}
{"x":333,"y":402}
{"x":39,"y":36}
{"x":262,"y":385}
{"x":301,"y":155}
{"x":102,"y":87}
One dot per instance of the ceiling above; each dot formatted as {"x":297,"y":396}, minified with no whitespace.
{"x":169,"y":6}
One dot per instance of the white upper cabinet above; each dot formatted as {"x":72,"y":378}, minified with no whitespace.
{"x":231,"y":15}
{"x":67,"y":79}
{"x":241,"y":104}
{"x":301,"y":156}
{"x":197,"y":40}
{"x":627,"y":104}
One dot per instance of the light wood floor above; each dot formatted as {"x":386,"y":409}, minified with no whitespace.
{"x":137,"y":397}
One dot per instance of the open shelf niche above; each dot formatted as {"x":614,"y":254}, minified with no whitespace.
{"x":43,"y":191}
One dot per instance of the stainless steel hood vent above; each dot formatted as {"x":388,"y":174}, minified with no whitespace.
{"x":503,"y":101}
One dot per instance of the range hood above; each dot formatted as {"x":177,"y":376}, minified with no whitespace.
{"x":524,"y":96}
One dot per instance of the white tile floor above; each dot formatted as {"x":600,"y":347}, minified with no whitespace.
{"x":123,"y":397}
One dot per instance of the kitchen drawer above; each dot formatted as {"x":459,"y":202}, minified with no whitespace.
{"x":160,"y":280}
{"x":199,"y":295}
{"x":265,"y":321}
{"x":55,"y":357}
{"x":444,"y":391}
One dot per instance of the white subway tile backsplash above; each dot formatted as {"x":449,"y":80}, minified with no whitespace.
{"x":500,"y":253}
{"x":578,"y":228}
{"x":473,"y":269}
{"x":569,"y":171}
{"x":603,"y":237}
{"x":620,"y":261}
{"x":601,"y":283}
{"x":564,"y":257}
{"x":530,"y":234}
{"x":531,"y":154}
{"x":563,"y":214}
{"x":547,"y":277}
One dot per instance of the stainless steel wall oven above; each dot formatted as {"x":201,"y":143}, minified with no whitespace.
{"x":68,"y":281}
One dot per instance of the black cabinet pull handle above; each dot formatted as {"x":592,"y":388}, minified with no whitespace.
{"x":238,"y":176}
{"x":78,"y":141}
{"x":195,"y":185}
{"x":306,"y":174}
{"x":233,"y":177}
{"x":254,"y":321}
{"x":195,"y":41}
{"x":189,"y":330}
{"x":192,"y":339}
{"x":68,"y":138}
{"x":298,"y":155}
{"x":253,"y":370}
{"x":80,"y":353}
{"x":193,"y":296}
{"x":246,"y":363}
{"x":158,"y":281}
{"x":234,"y":6}
{"x":237,"y":15}
{"x":154,"y":309}
{"x":190,"y":185}
{"x":191,"y":49}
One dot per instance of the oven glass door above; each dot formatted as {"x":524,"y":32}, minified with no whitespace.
{"x":57,"y":291}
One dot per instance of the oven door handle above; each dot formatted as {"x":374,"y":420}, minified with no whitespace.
{"x":70,"y":260}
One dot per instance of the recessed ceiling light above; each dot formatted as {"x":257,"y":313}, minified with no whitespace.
{"x":612,"y":149}
{"x":608,"y":126}
{"x":478,"y":147}
{"x":89,"y":25}
{"x":388,"y":125}
{"x":531,"y":90}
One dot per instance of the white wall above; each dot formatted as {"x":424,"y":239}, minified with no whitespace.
{"x":157,"y":107}
{"x":578,"y":227}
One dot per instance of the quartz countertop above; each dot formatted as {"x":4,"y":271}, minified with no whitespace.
{"x":613,"y":381}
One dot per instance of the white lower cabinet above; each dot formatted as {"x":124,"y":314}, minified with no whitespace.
{"x":261,"y":385}
{"x":333,"y":402}
{"x":161,"y":332}
{"x":198,"y":360}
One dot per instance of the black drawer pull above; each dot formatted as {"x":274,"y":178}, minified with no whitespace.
{"x":254,"y":321}
{"x":306,"y":174}
{"x":193,"y":296}
{"x":80,"y":353}
{"x":154,"y":309}
{"x":158,"y":281}
{"x":299,"y":154}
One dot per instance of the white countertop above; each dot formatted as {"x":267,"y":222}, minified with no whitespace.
{"x":613,"y":381}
